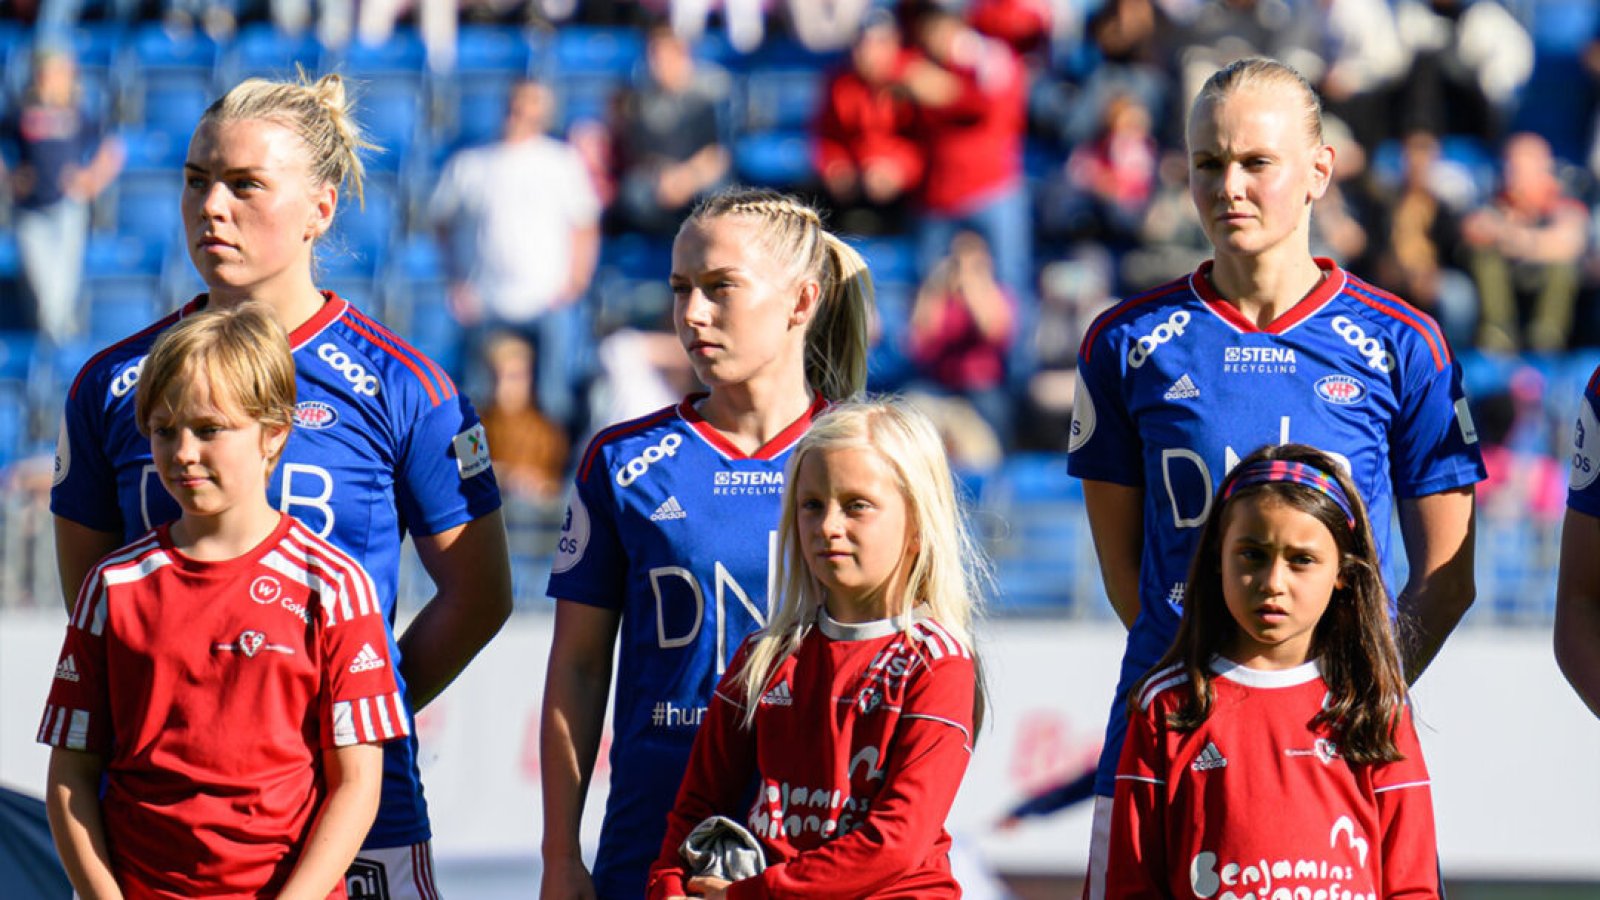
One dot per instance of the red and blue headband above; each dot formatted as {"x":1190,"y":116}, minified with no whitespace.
{"x":1277,"y":470}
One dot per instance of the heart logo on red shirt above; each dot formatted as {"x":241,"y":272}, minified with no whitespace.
{"x":250,"y":642}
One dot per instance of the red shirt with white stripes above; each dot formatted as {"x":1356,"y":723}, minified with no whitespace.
{"x":859,"y":743}
{"x":1256,"y":802}
{"x":211,"y":689}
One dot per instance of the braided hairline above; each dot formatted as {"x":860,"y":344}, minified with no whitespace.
{"x":778,"y":207}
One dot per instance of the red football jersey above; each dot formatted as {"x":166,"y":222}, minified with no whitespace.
{"x":211,"y":689}
{"x":859,"y":744}
{"x":1257,"y":803}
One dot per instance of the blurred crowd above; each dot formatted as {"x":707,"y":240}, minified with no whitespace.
{"x":1012,"y":167}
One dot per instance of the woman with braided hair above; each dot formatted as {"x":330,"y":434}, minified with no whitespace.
{"x":669,"y":543}
{"x":383,"y":443}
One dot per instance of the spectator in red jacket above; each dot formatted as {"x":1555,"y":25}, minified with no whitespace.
{"x":971,"y":92}
{"x":865,"y":147}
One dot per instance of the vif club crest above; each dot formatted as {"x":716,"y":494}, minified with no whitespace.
{"x":266,"y":589}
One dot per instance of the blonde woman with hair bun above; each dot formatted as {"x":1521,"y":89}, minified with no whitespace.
{"x":667,"y":555}
{"x":384,"y":444}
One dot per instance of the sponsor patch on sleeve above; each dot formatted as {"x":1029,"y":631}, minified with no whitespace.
{"x":574,"y":535}
{"x":1083,"y":420}
{"x":63,"y":455}
{"x":1469,"y":431}
{"x":472,"y":452}
{"x":1585,"y":442}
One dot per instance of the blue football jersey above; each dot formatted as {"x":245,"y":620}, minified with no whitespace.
{"x":676,"y":529}
{"x":1583,"y":494}
{"x":383,"y":444}
{"x":1176,"y":386}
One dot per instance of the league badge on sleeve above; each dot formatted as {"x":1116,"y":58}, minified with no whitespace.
{"x":63,"y":455}
{"x":574,"y":535}
{"x":472,"y":451}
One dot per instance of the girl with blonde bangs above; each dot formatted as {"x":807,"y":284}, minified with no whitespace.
{"x":881,"y":585}
{"x":949,"y":574}
{"x":668,"y":555}
{"x":384,"y":444}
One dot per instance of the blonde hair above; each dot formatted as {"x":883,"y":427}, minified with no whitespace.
{"x":1262,"y":73}
{"x":241,"y":354}
{"x":949,"y":575}
{"x":320,"y":112}
{"x":836,"y":339}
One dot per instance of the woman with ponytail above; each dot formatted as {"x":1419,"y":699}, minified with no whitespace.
{"x":385,"y":444}
{"x":670,"y":541}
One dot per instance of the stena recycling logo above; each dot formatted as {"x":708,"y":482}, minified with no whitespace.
{"x":1083,"y":415}
{"x":361,"y":381}
{"x":635,"y":468}
{"x":1340,"y":390}
{"x":1585,"y":444}
{"x":1166,"y":331}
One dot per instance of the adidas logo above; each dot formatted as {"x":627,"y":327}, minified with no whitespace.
{"x":669,"y":509}
{"x":1182,"y":389}
{"x":778,"y":696}
{"x":67,"y":670}
{"x":1209,"y":758}
{"x":367,"y":660}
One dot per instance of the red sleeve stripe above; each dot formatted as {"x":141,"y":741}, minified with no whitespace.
{"x":346,"y":588}
{"x":1394,"y":307}
{"x":429,"y":383}
{"x":617,"y":431}
{"x":446,"y":384}
{"x":134,"y":562}
{"x":938,"y":640}
{"x":65,"y":727}
{"x":1126,"y":306}
{"x":1594,"y":381}
{"x":369,"y":720}
{"x":160,"y":325}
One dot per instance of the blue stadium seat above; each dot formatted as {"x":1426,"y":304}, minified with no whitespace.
{"x":122,"y":255}
{"x":493,"y":50}
{"x":419,"y":259}
{"x":777,"y":159}
{"x":156,"y":150}
{"x":781,"y":99}
{"x":480,"y":109}
{"x":431,"y":328}
{"x":262,"y":51}
{"x":391,"y":111}
{"x":891,"y":258}
{"x":156,"y":48}
{"x":589,"y":50}
{"x":16,"y":355}
{"x":402,"y":54}
{"x":173,"y":105}
{"x":14,"y":437}
{"x":586,"y":96}
{"x":120,"y":305}
{"x":147,"y":205}
{"x":363,"y":231}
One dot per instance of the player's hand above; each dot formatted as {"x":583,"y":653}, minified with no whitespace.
{"x":708,"y":887}
{"x":566,"y":879}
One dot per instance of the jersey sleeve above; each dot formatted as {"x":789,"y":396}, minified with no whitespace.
{"x":1583,"y":491}
{"x":932,"y":746}
{"x":591,"y":564}
{"x":361,"y":702}
{"x":85,"y":486}
{"x":1405,"y":814}
{"x":721,"y":767}
{"x":445,"y":477}
{"x":1104,"y":443}
{"x":77,"y":715}
{"x":1434,"y":446}
{"x":1137,"y":860}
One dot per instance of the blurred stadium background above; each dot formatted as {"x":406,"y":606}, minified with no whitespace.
{"x":1516,"y":757}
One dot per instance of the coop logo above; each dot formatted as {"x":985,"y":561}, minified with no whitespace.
{"x":1340,"y":390}
{"x":315,"y":415}
{"x":635,"y":468}
{"x":128,"y":379}
{"x":1377,"y":357}
{"x":361,"y":381}
{"x":1166,"y":331}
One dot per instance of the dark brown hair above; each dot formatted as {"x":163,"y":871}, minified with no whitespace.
{"x":1354,"y":641}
